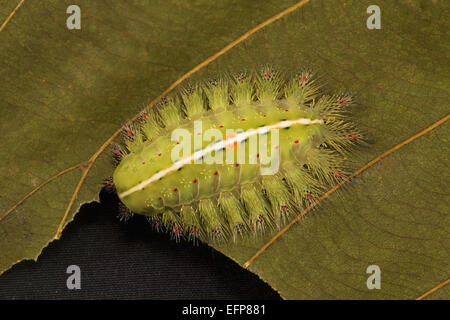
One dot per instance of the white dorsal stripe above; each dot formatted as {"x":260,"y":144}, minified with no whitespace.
{"x":238,"y":138}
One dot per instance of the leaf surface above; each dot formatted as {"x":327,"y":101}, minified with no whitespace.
{"x":66,"y":92}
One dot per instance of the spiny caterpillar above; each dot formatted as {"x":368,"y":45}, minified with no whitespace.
{"x":209,"y":183}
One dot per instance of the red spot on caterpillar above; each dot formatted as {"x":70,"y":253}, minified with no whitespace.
{"x":304,"y":78}
{"x":130,"y":133}
{"x":175,"y":190}
{"x":195,"y":181}
{"x":267,"y":75}
{"x":343,"y":101}
{"x":310,"y":197}
{"x":195,"y":231}
{"x":117,"y":153}
{"x":265,"y":116}
{"x":243,"y":119}
{"x":296,"y":141}
{"x":216,"y":173}
{"x":354,"y":136}
{"x":338,"y":174}
{"x":221,"y":126}
{"x":287,"y":110}
{"x":236,"y":165}
{"x":159,"y":198}
{"x":178,"y":142}
{"x":143,"y":162}
{"x":144,"y":116}
{"x":159,"y":154}
{"x":176,"y":230}
{"x":257,"y":155}
{"x":108,"y":183}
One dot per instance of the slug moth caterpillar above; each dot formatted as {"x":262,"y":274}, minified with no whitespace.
{"x":235,"y":155}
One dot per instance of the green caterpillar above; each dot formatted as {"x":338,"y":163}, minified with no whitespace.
{"x":181,"y":167}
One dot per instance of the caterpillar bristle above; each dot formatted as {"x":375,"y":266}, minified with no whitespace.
{"x":134,"y":142}
{"x":279,"y":198}
{"x":124,"y":213}
{"x":171,"y":221}
{"x":300,"y":182}
{"x":211,"y":221}
{"x":222,"y":202}
{"x":233,"y":213}
{"x":268,"y":84}
{"x":150,"y":126}
{"x":117,"y":154}
{"x":170,"y":112}
{"x":190,"y":220}
{"x":155,"y":222}
{"x":217,"y":92}
{"x":321,"y":163}
{"x":192,"y":97}
{"x":257,"y":209}
{"x":108,"y":185}
{"x":242,"y":92}
{"x":303,"y":88}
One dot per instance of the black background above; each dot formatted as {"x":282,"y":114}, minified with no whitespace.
{"x":128,"y":261}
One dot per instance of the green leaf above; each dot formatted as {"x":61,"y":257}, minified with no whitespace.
{"x":65,"y":92}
